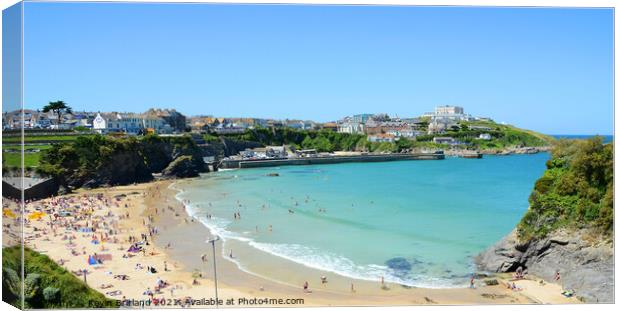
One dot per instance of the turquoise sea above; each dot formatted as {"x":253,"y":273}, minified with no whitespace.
{"x":417,"y":223}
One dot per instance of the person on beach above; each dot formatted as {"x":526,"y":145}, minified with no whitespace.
{"x":306,"y":287}
{"x":231,"y":254}
{"x":323,"y":279}
{"x":557,"y":276}
{"x":352,"y":288}
{"x":471,"y":282}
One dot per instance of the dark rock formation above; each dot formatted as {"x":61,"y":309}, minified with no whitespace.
{"x":182,"y":167}
{"x":123,"y":167}
{"x":400,"y":266}
{"x":585,"y":267}
{"x":226,"y":147}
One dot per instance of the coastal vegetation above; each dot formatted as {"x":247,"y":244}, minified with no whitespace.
{"x":467,"y":133}
{"x":11,"y":155}
{"x":576,"y":191}
{"x":321,"y":140}
{"x":91,"y":161}
{"x":46,"y":285}
{"x":11,"y":147}
{"x":502,"y":136}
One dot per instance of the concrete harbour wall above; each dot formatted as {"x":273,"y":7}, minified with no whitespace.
{"x":328,"y":160}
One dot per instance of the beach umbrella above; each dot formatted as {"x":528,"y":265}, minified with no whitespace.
{"x":8,"y":213}
{"x":36,"y":215}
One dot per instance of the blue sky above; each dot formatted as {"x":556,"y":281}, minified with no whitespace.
{"x":549,"y":70}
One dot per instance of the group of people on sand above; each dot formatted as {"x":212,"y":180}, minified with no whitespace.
{"x":520,"y":273}
{"x":92,"y":218}
{"x":306,"y":285}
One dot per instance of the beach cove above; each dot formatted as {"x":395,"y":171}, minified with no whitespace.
{"x":179,"y":241}
{"x":413,"y":223}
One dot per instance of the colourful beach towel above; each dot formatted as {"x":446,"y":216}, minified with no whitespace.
{"x":133,"y":249}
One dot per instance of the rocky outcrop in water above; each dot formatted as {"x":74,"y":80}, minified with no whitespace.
{"x":584,"y":266}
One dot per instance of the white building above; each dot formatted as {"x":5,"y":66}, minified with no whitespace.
{"x":99,"y":123}
{"x":157,"y":125}
{"x":382,"y":138}
{"x":454,"y":113}
{"x":351,"y":128}
{"x":449,"y":110}
{"x":444,"y":140}
{"x":485,"y":136}
{"x":406,"y":133}
{"x":129,"y":123}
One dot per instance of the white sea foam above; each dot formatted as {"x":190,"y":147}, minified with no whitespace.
{"x":321,"y":260}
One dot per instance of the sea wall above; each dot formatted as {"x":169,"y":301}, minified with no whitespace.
{"x":585,"y":266}
{"x":328,"y":160}
{"x":38,"y":191}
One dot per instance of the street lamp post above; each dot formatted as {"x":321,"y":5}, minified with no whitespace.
{"x":212,"y":241}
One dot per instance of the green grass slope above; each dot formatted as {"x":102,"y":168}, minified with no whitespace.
{"x":47,"y":285}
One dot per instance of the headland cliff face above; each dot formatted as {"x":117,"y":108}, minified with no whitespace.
{"x":568,"y":227}
{"x":585,"y":263}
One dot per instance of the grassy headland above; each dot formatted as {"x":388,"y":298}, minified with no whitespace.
{"x":468,"y":133}
{"x":576,"y":190}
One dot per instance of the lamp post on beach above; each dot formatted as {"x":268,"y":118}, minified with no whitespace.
{"x":212,"y":241}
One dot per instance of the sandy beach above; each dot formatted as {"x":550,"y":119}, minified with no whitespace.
{"x":138,"y":243}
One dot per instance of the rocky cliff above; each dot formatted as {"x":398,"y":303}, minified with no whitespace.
{"x":228,"y":147}
{"x":585,"y":263}
{"x":182,"y":167}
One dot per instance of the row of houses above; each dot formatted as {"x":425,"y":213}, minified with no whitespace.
{"x":159,"y":121}
{"x":239,"y":125}
{"x":34,"y":119}
{"x":163,"y":121}
{"x":382,"y":128}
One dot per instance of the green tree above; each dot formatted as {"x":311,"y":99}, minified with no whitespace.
{"x":59,"y":108}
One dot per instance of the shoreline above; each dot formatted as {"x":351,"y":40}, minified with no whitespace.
{"x":366,"y":292}
{"x":154,"y":205}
